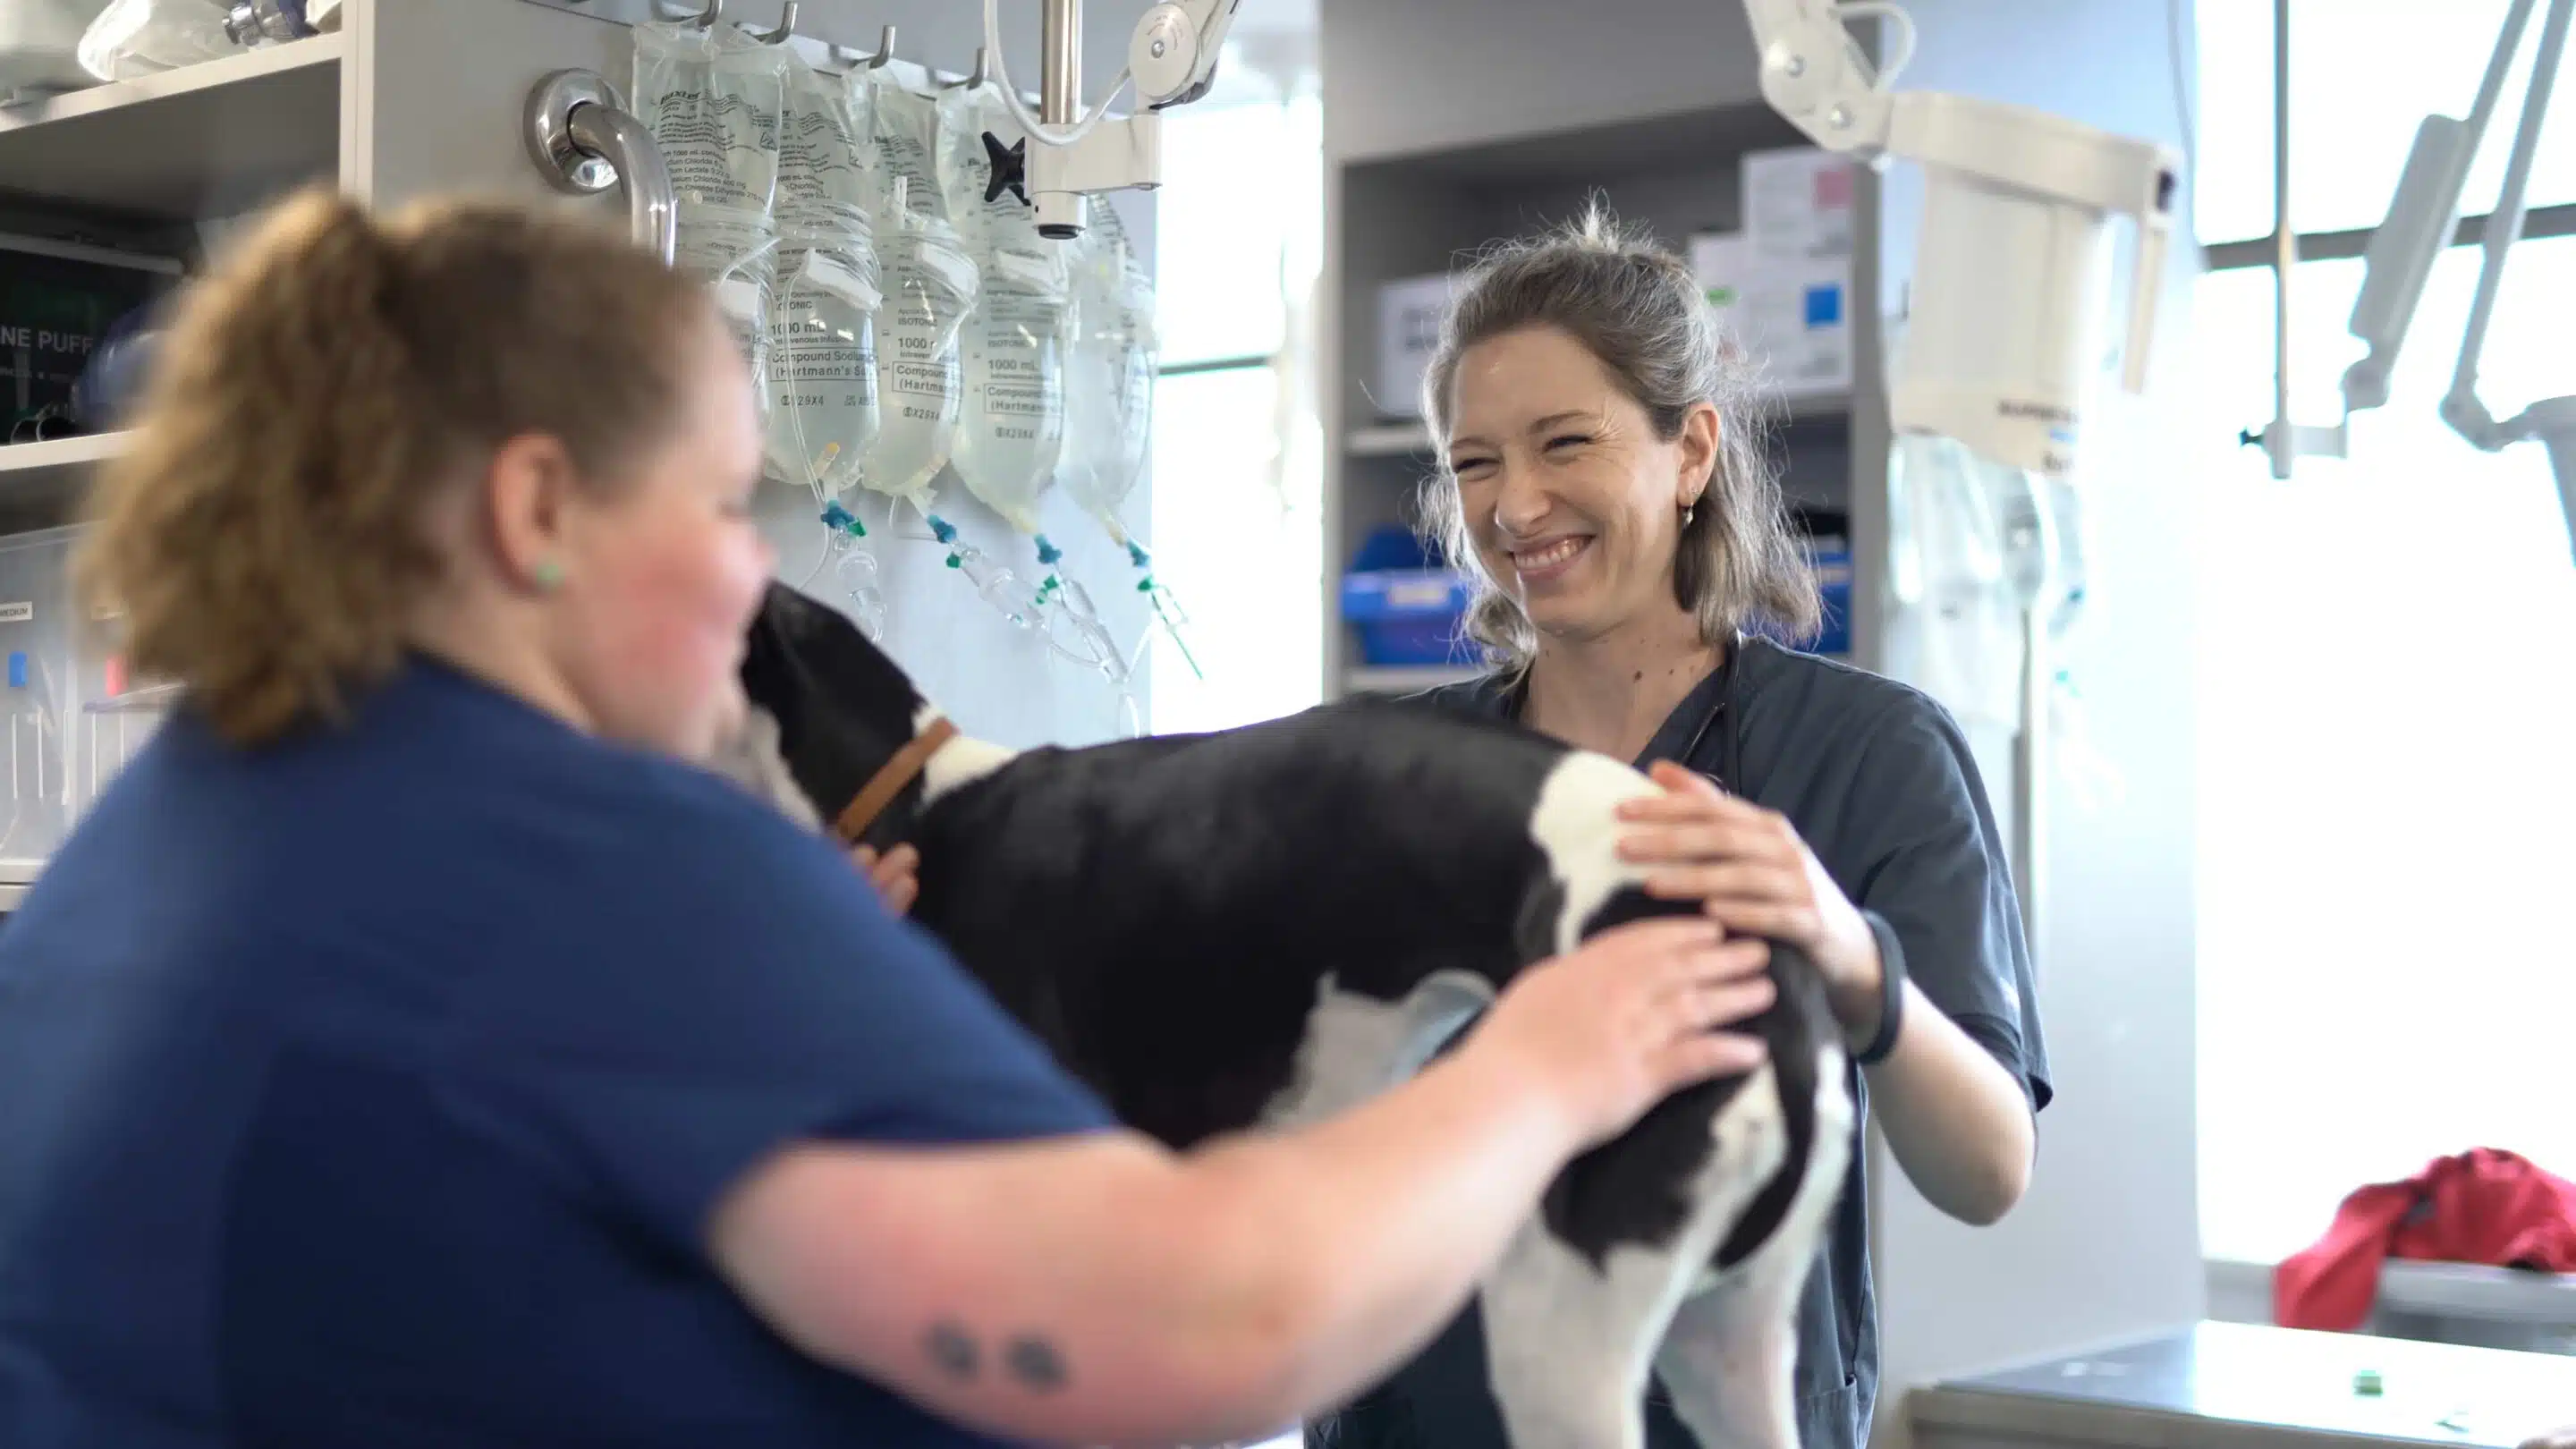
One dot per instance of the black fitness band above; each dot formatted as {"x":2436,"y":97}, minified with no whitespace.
{"x":1891,"y":991}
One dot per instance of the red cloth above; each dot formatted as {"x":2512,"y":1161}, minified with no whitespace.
{"x":2484,"y":1206}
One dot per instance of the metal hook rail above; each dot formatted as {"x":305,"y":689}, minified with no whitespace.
{"x":834,"y":54}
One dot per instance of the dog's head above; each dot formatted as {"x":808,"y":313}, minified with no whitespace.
{"x":854,"y":732}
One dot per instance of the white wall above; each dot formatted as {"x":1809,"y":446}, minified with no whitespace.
{"x":2107,"y":1244}
{"x":1414,"y":75}
{"x":437,"y":108}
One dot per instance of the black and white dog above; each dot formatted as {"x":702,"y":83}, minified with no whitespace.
{"x":1266,"y":925}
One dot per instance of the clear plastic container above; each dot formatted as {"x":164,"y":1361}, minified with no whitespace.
{"x":39,"y":698}
{"x":118,"y":712}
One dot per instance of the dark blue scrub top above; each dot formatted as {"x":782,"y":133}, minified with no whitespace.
{"x":1881,"y":785}
{"x":374,"y":1090}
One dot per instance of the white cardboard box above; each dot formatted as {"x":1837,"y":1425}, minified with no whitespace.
{"x":1409,"y":313}
{"x":1798,"y":206}
{"x":1794,"y":316}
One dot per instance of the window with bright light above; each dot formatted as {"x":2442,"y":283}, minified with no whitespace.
{"x":1237,"y":464}
{"x":2363,"y":74}
{"x":2387,"y":644}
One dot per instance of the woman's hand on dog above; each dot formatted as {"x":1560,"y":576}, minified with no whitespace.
{"x":1631,"y":1016}
{"x":895,"y":874}
{"x":1755,"y":876}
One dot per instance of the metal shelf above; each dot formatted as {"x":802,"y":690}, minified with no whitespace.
{"x":1404,"y":678}
{"x":204,"y":140}
{"x":1397,"y":440}
{"x":1394,"y":440}
{"x":39,"y":481}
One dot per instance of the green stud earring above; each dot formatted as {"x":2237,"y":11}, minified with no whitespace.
{"x":548,"y":574}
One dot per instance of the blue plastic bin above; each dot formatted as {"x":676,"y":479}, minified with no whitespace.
{"x":1405,"y":608}
{"x":1829,"y":559}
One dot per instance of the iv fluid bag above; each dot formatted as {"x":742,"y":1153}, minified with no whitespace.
{"x":822,"y":358}
{"x":906,"y":127}
{"x":712,"y":99}
{"x":1013,"y":347}
{"x":1109,"y":392}
{"x":1965,"y":613}
{"x":930,"y":286}
{"x":736,"y":254}
{"x":1012,"y":433}
{"x":985,"y":215}
{"x":824,"y":411}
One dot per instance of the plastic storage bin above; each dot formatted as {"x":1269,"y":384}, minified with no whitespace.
{"x":118,"y":713}
{"x":1829,"y":560}
{"x":39,"y":698}
{"x":1405,"y":608}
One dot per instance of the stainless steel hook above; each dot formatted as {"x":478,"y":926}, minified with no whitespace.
{"x":786,"y":27}
{"x":838,"y":53}
{"x":709,"y":16}
{"x":975,"y":77}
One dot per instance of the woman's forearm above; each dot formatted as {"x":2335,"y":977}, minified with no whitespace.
{"x":1958,"y":1123}
{"x":1099,"y":1288}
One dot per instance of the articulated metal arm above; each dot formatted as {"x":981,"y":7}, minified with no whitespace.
{"x":1996,"y":347}
{"x":1171,"y":59}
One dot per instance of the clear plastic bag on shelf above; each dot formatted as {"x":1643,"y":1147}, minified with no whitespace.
{"x":131,"y":39}
{"x":40,"y":44}
{"x":712,"y":97}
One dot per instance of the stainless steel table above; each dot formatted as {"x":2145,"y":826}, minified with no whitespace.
{"x":2237,"y":1386}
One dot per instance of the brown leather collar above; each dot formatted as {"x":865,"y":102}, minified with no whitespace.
{"x":889,"y":780}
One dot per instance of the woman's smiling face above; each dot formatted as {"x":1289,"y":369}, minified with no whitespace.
{"x":1573,"y":503}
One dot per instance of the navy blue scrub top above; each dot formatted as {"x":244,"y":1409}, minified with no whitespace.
{"x":1880,"y":783}
{"x":374,"y":1089}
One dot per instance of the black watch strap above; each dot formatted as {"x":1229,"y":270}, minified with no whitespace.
{"x":1891,"y":991}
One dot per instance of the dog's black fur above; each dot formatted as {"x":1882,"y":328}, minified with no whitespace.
{"x":1160,"y":912}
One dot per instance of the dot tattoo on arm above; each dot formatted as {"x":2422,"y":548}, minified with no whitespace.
{"x":952,"y":1349}
{"x":1034,"y":1361}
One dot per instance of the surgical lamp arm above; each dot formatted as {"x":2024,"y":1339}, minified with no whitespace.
{"x":2024,"y":162}
{"x":2461,"y":408}
{"x":2423,"y":214}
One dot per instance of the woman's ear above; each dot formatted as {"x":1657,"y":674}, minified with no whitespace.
{"x":527,"y":489}
{"x":1699,"y":439}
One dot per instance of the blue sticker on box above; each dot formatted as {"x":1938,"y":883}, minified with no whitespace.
{"x":1825,"y":305}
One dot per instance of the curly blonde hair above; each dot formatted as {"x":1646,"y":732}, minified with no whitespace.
{"x":266,"y":536}
{"x":1640,"y":311}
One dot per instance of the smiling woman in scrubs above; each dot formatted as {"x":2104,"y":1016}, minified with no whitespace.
{"x":415,"y":1048}
{"x":1606,"y":480}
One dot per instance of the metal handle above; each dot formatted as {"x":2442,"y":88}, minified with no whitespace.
{"x":584,"y":142}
